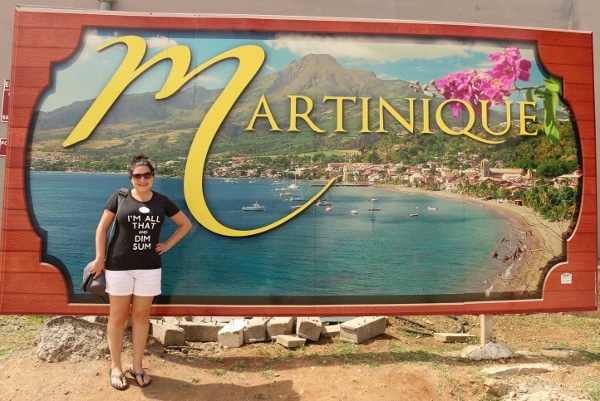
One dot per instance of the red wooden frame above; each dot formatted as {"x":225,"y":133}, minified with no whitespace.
{"x":45,"y":36}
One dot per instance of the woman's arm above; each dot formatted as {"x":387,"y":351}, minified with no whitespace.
{"x":184,"y":225}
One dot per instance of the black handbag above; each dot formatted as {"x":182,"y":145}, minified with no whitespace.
{"x":97,"y":286}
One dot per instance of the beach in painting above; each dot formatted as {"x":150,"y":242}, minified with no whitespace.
{"x":381,"y":254}
{"x":545,"y":241}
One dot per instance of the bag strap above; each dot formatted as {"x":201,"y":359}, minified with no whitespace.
{"x":122,"y":193}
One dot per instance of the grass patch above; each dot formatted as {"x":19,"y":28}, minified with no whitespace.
{"x":267,"y":373}
{"x":241,"y":366}
{"x":218,"y":372}
{"x":19,"y":332}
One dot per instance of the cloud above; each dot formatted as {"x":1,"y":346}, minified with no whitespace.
{"x":93,"y":40}
{"x":382,"y":49}
{"x":160,"y":42}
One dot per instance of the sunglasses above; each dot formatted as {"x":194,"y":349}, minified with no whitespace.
{"x":146,"y":176}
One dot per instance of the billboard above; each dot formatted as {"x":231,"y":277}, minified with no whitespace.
{"x":330,"y":167}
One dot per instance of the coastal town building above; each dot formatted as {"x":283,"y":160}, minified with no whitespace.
{"x":507,"y":174}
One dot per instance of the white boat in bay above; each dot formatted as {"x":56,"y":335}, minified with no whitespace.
{"x":296,"y":195}
{"x":326,"y":201}
{"x":294,"y":185}
{"x":256,"y":207}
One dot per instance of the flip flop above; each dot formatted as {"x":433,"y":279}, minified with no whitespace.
{"x":119,"y":378}
{"x":142,"y":375}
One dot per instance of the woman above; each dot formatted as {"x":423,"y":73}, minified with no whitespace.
{"x":133,"y":264}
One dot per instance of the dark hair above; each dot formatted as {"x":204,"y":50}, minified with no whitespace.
{"x":140,"y":160}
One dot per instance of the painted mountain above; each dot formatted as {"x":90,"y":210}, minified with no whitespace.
{"x":138,"y":118}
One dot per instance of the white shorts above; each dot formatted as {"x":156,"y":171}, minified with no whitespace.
{"x":143,"y":283}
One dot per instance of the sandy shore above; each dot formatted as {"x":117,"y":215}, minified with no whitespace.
{"x":543,"y":237}
{"x":546,"y":234}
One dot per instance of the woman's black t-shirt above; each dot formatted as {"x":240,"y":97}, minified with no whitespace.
{"x":137,"y":231}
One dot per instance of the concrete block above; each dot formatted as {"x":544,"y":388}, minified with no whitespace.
{"x":256,"y":330}
{"x":202,"y":331}
{"x":330,"y":330}
{"x":290,"y":341}
{"x":280,"y":325}
{"x":171,"y":320}
{"x":520,"y":369}
{"x":452,"y":337}
{"x":221,"y":319}
{"x":167,"y":334}
{"x":309,"y":328}
{"x":361,"y":329}
{"x":232,"y":335}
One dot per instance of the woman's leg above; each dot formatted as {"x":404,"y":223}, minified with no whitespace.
{"x":119,"y":312}
{"x":140,"y":324}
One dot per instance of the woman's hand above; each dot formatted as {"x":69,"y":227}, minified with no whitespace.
{"x":162,"y":247}
{"x":98,"y":266}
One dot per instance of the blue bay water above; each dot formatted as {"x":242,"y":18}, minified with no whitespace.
{"x":385,"y":253}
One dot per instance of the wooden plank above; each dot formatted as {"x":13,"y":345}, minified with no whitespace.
{"x":586,"y":131}
{"x":41,"y":56}
{"x":29,"y":95}
{"x":48,"y":37}
{"x":581,"y":75}
{"x":569,"y":55}
{"x":581,"y":110}
{"x":20,"y":116}
{"x":35,"y":282}
{"x":578,"y":92}
{"x":24,"y":260}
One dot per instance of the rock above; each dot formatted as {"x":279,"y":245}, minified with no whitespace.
{"x":497,"y":388}
{"x":490,"y":351}
{"x":70,"y":338}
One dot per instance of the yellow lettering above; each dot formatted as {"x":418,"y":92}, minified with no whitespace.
{"x":127,"y":72}
{"x":460,"y":130}
{"x":339,"y":111}
{"x":383,"y":104}
{"x":524,"y":118}
{"x":295,"y":115}
{"x":426,"y":127}
{"x":262,"y":104}
{"x":365,"y":114}
{"x":484,"y":117}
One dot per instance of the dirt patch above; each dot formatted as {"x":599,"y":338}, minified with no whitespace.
{"x":405,"y":363}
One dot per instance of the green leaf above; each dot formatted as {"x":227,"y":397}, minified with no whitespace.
{"x":550,"y":117}
{"x":552,"y":132}
{"x":529,"y":95}
{"x":553,"y":85}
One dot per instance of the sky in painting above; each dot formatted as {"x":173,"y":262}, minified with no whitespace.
{"x":411,"y":59}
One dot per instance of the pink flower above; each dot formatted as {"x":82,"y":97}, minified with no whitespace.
{"x":493,"y":85}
